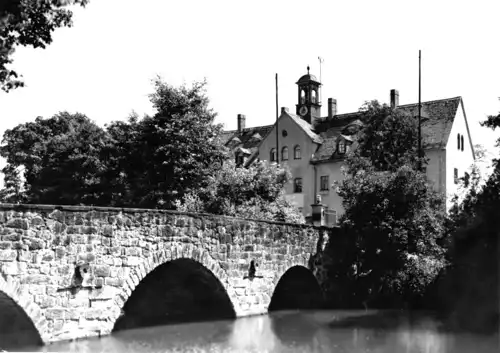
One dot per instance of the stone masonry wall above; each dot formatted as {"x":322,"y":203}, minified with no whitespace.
{"x":48,"y":252}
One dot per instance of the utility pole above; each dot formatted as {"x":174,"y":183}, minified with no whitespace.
{"x":419,"y":114}
{"x":277,"y":134}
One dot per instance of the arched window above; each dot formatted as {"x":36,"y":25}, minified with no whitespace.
{"x":341,"y":147}
{"x":458,"y":141}
{"x":462,"y":142}
{"x":302,"y":96}
{"x":284,"y":154}
{"x":313,"y":96}
{"x":272,"y":155}
{"x":296,"y":152}
{"x":297,"y":185}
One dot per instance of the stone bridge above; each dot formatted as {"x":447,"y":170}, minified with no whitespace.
{"x":69,"y":272}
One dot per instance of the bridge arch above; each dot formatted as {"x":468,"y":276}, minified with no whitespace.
{"x":21,"y":321}
{"x":296,"y":288}
{"x":181,"y":254}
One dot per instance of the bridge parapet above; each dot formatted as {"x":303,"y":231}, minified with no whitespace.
{"x":72,"y":268}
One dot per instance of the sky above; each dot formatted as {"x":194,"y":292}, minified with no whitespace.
{"x":104,"y":65}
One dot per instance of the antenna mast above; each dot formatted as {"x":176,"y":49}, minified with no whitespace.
{"x":321,"y":88}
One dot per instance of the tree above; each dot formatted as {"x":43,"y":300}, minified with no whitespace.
{"x":468,"y":289}
{"x":255,"y":192}
{"x":28,"y":22}
{"x":172,"y":152}
{"x":61,"y":158}
{"x":392,"y":215}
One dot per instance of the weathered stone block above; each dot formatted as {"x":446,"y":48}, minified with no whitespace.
{"x":86,"y":257}
{"x":34,"y":244}
{"x":45,"y":301}
{"x":107,"y":230}
{"x":36,"y":279}
{"x":131,"y":261}
{"x":14,"y":268}
{"x":90,"y":230}
{"x":8,"y":255}
{"x":55,"y":314}
{"x":11,"y":236}
{"x":5,"y":245}
{"x":48,"y":256}
{"x":57,"y":215}
{"x":102,"y":270}
{"x":18,"y":223}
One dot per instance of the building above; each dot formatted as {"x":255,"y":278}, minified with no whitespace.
{"x":314,"y":146}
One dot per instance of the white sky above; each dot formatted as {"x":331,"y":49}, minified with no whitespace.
{"x":104,"y":64}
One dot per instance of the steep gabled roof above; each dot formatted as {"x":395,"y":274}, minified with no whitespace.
{"x":306,"y":127}
{"x":245,"y":136}
{"x":438,"y":117}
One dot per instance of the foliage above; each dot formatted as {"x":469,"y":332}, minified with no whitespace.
{"x":67,"y":159}
{"x":255,"y":192}
{"x":468,"y":287}
{"x":28,"y":22}
{"x":60,"y":157}
{"x":171,"y":153}
{"x":388,"y":138}
{"x":392,"y":215}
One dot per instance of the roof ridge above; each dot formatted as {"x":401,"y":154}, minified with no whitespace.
{"x":248,"y":128}
{"x":432,"y":101}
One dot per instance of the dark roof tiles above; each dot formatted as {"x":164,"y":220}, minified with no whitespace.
{"x":246,"y":136}
{"x":306,"y":127}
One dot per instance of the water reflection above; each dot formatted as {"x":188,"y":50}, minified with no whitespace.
{"x":313,"y":331}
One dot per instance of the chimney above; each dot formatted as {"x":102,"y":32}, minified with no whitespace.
{"x":241,"y":122}
{"x":332,"y":107}
{"x":394,"y":98}
{"x":284,"y":109}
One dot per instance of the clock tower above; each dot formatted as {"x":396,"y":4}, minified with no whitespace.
{"x":309,"y":106}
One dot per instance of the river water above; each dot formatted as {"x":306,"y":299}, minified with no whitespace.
{"x":291,"y":331}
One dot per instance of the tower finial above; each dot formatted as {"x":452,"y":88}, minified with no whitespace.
{"x":308,"y":69}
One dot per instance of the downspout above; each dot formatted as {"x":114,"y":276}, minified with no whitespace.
{"x":315,"y":182}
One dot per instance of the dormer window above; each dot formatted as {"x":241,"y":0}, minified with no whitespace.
{"x":240,"y":159}
{"x":341,"y":147}
{"x":256,"y":137}
{"x":234,"y":141}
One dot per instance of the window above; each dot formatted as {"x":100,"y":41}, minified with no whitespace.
{"x":240,"y":160}
{"x":324,"y":183}
{"x":455,"y":175}
{"x":313,"y":96}
{"x":284,"y":133}
{"x":462,"y":142}
{"x":458,"y":141}
{"x":272,"y":156}
{"x":284,"y":154}
{"x":302,"y":96}
{"x":296,"y":152}
{"x":297,"y":185}
{"x":341,"y":147}
{"x":466,"y":179}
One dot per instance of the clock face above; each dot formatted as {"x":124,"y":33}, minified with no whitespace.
{"x":303,"y":110}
